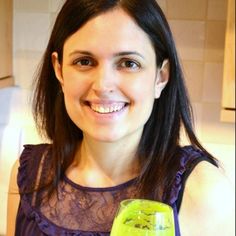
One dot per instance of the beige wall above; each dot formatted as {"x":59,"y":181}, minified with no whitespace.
{"x":33,"y":21}
{"x":199,"y":30}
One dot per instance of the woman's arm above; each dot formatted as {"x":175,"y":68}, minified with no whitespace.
{"x":208,"y":203}
{"x":13,"y":200}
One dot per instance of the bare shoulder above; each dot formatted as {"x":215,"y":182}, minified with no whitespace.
{"x":208,"y":181}
{"x":208,"y":203}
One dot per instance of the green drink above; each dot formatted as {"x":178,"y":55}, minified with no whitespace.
{"x":137,"y":217}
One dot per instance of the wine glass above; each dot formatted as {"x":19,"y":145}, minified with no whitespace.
{"x":139,"y":217}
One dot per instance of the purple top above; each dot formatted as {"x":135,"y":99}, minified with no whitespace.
{"x":79,"y":210}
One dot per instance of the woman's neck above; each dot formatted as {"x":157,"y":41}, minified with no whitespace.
{"x":103,"y":164}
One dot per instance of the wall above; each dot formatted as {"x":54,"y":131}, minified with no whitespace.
{"x":32,"y":25}
{"x":198,"y":27}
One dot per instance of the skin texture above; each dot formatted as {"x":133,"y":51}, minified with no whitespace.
{"x":104,"y":71}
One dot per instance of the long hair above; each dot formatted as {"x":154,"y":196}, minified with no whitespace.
{"x":161,"y":135}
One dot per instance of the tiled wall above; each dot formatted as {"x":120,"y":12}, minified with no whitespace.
{"x":199,"y":29}
{"x":33,"y":20}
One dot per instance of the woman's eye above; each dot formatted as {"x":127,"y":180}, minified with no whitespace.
{"x":129,"y":64}
{"x":84,"y":62}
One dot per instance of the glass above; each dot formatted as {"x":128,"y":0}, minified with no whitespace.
{"x":138,"y":217}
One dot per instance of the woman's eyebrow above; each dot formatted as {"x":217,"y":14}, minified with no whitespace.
{"x":118,"y":54}
{"x":87,"y":53}
{"x":127,"y":53}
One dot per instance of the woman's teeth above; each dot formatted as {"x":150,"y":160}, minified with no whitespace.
{"x":107,"y":108}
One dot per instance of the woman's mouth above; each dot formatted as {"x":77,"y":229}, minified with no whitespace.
{"x":107,"y":108}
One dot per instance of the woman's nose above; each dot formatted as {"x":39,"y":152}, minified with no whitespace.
{"x":104,"y":80}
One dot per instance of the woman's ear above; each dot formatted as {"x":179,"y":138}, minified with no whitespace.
{"x":57,"y":67}
{"x":162,"y":78}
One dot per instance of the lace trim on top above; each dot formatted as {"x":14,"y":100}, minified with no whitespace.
{"x":101,"y":189}
{"x":75,"y":209}
{"x":87,"y":209}
{"x":79,"y":210}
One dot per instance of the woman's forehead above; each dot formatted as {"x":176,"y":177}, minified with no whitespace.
{"x":113,"y":31}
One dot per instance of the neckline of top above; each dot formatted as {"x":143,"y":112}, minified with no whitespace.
{"x":100,"y":189}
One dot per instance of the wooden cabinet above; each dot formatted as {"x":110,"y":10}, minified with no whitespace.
{"x":6,"y":21}
{"x":228,"y":95}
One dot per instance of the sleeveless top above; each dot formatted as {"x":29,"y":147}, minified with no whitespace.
{"x":83,"y":211}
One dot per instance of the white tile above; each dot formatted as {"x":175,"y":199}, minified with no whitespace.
{"x":194,"y":73}
{"x":190,"y":38}
{"x":32,"y":5}
{"x":25,"y":67}
{"x":5,"y":102}
{"x":197,"y":118}
{"x":31,"y":31}
{"x":17,"y":108}
{"x":163,"y":5}
{"x":215,"y":41}
{"x":53,"y":17}
{"x":55,"y":5}
{"x":187,"y":9}
{"x":197,"y":124}
{"x":20,"y":110}
{"x":212,"y":83}
{"x":217,"y":9}
{"x":213,"y":130}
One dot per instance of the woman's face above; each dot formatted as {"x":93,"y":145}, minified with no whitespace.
{"x":109,"y":77}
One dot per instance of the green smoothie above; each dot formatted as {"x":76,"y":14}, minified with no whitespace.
{"x":137,"y":217}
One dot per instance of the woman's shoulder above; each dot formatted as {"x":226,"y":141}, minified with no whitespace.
{"x":189,"y":157}
{"x":208,"y":180}
{"x":32,"y":155}
{"x":29,"y":149}
{"x":33,"y":152}
{"x":202,"y":174}
{"x":29,"y":163}
{"x":208,"y":198}
{"x":183,"y":164}
{"x":190,"y":153}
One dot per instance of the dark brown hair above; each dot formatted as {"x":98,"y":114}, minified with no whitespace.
{"x":160,"y":139}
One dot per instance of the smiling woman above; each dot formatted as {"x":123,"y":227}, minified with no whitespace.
{"x":109,"y":89}
{"x":111,"y":97}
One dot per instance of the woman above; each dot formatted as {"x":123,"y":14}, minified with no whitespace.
{"x":111,"y":98}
